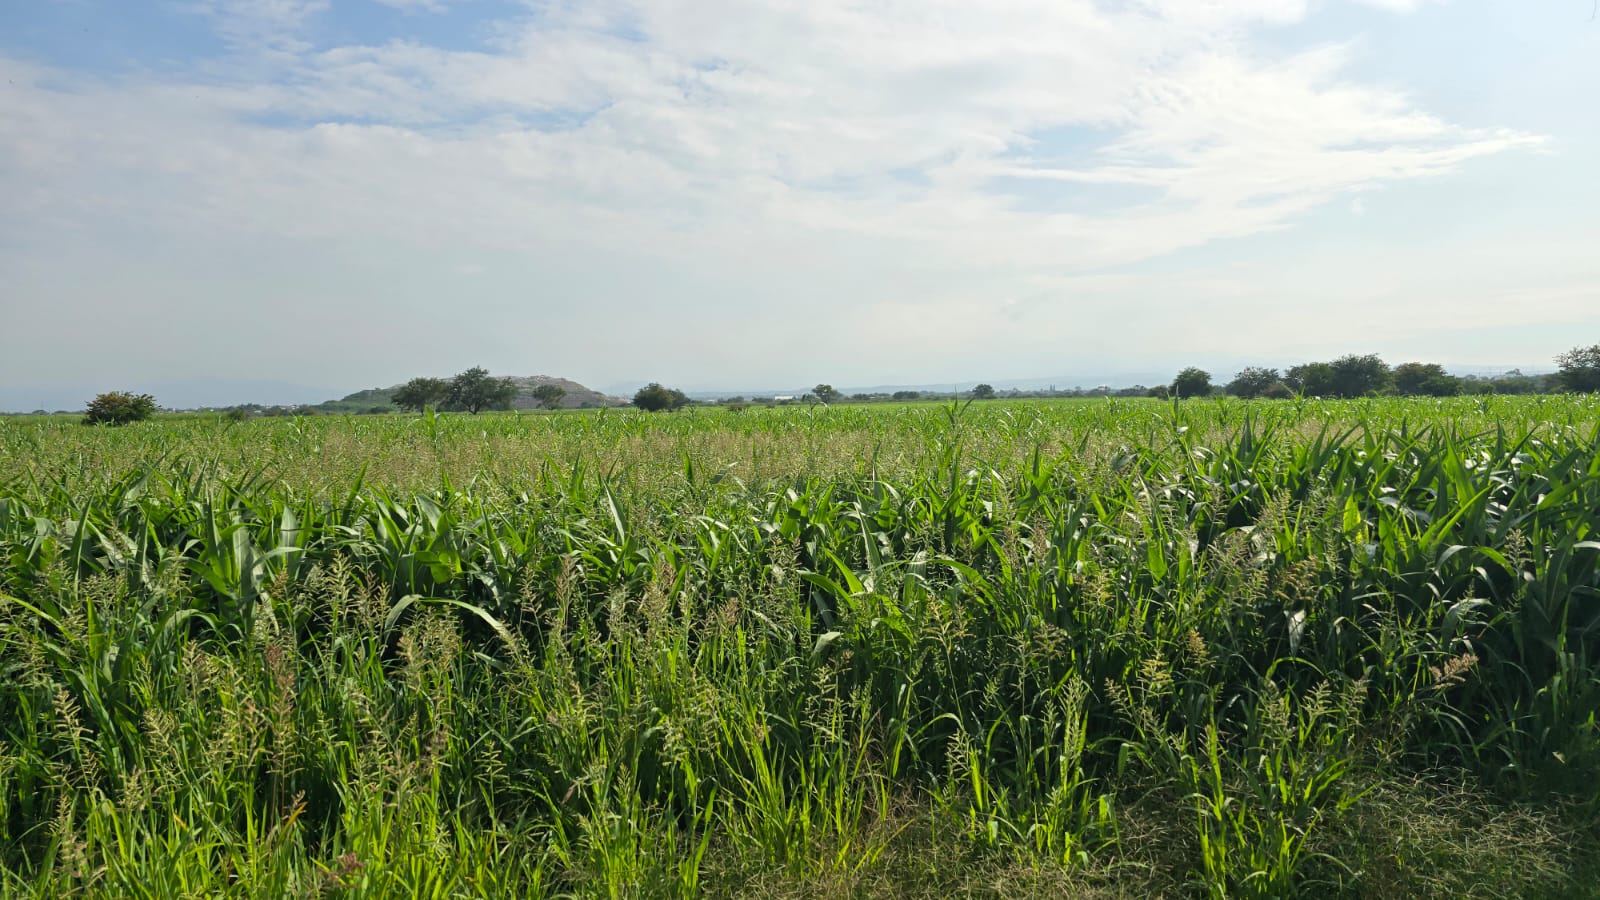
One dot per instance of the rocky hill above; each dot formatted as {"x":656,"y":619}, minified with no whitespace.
{"x":577,"y":397}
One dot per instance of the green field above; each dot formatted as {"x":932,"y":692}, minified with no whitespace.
{"x":1087,"y":648}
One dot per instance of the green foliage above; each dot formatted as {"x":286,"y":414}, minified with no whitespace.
{"x":119,"y":408}
{"x":1425,"y":379}
{"x":1253,"y":381}
{"x":983,"y":391}
{"x":1348,"y":376}
{"x":422,"y":393}
{"x":1191,"y":382}
{"x":825,"y":393}
{"x":1109,"y":647}
{"x":1580,"y":369}
{"x":654,"y":398}
{"x":1316,"y":379}
{"x":549,"y":395}
{"x":475,"y":391}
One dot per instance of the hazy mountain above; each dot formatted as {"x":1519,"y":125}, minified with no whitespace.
{"x":187,"y":394}
{"x":577,"y":397}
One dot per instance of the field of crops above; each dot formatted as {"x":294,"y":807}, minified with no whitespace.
{"x":1077,"y":648}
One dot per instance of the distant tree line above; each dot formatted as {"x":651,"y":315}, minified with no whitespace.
{"x":472,"y":391}
{"x":1357,"y":375}
{"x":1352,"y":375}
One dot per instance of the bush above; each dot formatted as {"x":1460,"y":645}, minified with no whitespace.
{"x":1580,"y":369}
{"x":653,"y":397}
{"x":1192,"y":382}
{"x":119,"y":408}
{"x":1252,"y":381}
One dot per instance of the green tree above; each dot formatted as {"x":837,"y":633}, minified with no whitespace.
{"x":1311,"y":379}
{"x":983,"y":392}
{"x":475,"y":390}
{"x":907,"y":395}
{"x":1192,"y":382}
{"x":1360,"y":376}
{"x":420,"y":393}
{"x":1580,"y":369}
{"x":654,"y":398}
{"x":549,"y":395}
{"x":1426,"y":379}
{"x":1252,"y":381}
{"x":825,"y":393}
{"x":119,"y":408}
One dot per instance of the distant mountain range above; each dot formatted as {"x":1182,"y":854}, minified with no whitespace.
{"x":196,"y":393}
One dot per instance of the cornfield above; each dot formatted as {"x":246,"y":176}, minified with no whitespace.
{"x":1120,"y":647}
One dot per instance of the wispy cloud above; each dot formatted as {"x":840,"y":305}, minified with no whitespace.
{"x":259,"y":23}
{"x":433,"y":6}
{"x":812,"y":114}
{"x":1398,"y":6}
{"x":701,"y":135}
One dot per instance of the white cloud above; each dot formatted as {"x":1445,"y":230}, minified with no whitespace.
{"x":260,"y":23}
{"x":433,"y":6}
{"x":1398,"y":6}
{"x":826,"y":148}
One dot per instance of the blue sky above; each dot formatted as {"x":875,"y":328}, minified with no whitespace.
{"x":334,"y":194}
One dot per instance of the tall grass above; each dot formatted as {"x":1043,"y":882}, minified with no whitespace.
{"x":1238,"y":649}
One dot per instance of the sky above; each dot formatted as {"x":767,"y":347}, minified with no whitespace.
{"x":294,"y":199}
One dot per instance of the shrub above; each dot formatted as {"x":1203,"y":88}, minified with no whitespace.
{"x":1580,"y":369}
{"x":653,"y":397}
{"x":1192,"y":382}
{"x":1252,"y":381}
{"x":119,"y":408}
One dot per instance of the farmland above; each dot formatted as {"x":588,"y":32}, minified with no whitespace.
{"x":1115,"y":647}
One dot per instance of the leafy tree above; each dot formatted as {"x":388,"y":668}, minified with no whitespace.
{"x":1159,"y":392}
{"x":119,"y":408}
{"x":653,"y":398}
{"x":549,"y":395}
{"x":1428,"y":379}
{"x":1192,"y":382}
{"x":1311,"y":379}
{"x":475,"y":391}
{"x":983,"y":392}
{"x":826,"y":393}
{"x":1252,"y":381}
{"x":1513,"y":382}
{"x":1360,"y":376}
{"x":906,"y":395}
{"x":421,"y":393}
{"x":1580,"y":369}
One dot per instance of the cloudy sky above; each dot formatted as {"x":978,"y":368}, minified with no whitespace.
{"x":344,"y":193}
